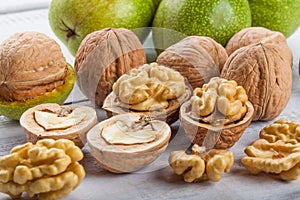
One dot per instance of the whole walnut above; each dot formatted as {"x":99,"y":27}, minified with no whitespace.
{"x":103,"y":56}
{"x":197,"y":58}
{"x":251,"y":35}
{"x":264,"y":69}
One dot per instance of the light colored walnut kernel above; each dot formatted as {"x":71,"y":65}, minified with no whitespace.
{"x":201,"y":165}
{"x":281,"y":130}
{"x":149,"y":87}
{"x":48,"y":169}
{"x":222,"y":95}
{"x":281,"y":158}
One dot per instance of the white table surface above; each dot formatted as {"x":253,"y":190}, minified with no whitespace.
{"x":157,"y":181}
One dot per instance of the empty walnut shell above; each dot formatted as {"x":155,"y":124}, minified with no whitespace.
{"x":264,"y":69}
{"x":196,"y":58}
{"x":57,"y":125}
{"x":103,"y":56}
{"x":125,"y":158}
{"x":229,"y":133}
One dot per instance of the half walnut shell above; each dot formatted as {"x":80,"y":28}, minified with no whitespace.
{"x":229,"y":133}
{"x":55,"y":121}
{"x":128,"y":142}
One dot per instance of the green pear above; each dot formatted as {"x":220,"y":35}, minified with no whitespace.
{"x":277,"y":15}
{"x":72,"y":20}
{"x":218,"y":19}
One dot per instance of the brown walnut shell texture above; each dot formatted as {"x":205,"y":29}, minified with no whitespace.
{"x":103,"y":56}
{"x":197,"y":58}
{"x":31,"y":64}
{"x":264,"y":69}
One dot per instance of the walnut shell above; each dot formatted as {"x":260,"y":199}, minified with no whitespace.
{"x":124,"y":158}
{"x":251,"y":35}
{"x":103,"y":56}
{"x":31,"y":64}
{"x":192,"y":58}
{"x":264,"y":69}
{"x":77,"y":132}
{"x":229,"y":133}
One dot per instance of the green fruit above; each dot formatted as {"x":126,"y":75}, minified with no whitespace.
{"x":156,"y":3}
{"x":277,"y":15}
{"x":14,"y":109}
{"x":72,"y":20}
{"x":218,"y":19}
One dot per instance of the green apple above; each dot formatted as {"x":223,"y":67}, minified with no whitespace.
{"x":277,"y":15}
{"x":72,"y":20}
{"x":218,"y":19}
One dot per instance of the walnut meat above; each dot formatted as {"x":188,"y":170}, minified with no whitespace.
{"x":264,"y":69}
{"x":196,"y":166}
{"x":197,"y":58}
{"x":48,"y":169}
{"x":221,"y":108}
{"x":103,"y":56}
{"x":278,"y":157}
{"x":281,"y":130}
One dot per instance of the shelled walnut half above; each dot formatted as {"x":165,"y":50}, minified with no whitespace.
{"x":58,"y":122}
{"x":48,"y":169}
{"x":128,"y":142}
{"x":201,"y":165}
{"x":148,"y":89}
{"x":281,"y":130}
{"x":219,"y":106}
{"x":280,"y":158}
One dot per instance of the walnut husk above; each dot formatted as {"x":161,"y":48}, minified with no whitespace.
{"x":196,"y":58}
{"x":103,"y":56}
{"x":31,"y":64}
{"x":264,"y":69}
{"x":229,"y":133}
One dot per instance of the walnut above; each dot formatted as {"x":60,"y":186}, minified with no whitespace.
{"x":264,"y":69}
{"x":48,"y":169}
{"x":58,"y":122}
{"x":128,"y":142}
{"x":219,"y":112}
{"x":252,"y":35}
{"x":281,"y":130}
{"x":201,"y":165}
{"x":281,"y":158}
{"x":103,"y":56}
{"x":150,"y":89}
{"x":197,"y":58}
{"x":33,"y":70}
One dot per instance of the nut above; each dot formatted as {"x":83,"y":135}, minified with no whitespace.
{"x":281,"y":130}
{"x":54,"y":121}
{"x":219,"y":95}
{"x":103,"y":56}
{"x":148,"y":89}
{"x":264,"y":69}
{"x":48,"y":169}
{"x":128,"y":142}
{"x":194,"y":57}
{"x":278,"y":157}
{"x":252,"y":35}
{"x":32,"y":70}
{"x":219,"y":107}
{"x":195,"y":167}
